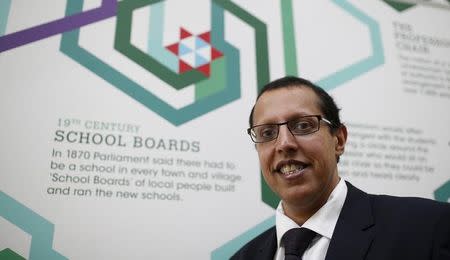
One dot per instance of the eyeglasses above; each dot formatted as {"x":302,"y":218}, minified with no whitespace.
{"x":299,"y":126}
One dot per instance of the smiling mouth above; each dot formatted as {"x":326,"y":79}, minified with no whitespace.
{"x":291,"y":170}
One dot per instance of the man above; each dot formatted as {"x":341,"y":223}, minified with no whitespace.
{"x":299,"y":137}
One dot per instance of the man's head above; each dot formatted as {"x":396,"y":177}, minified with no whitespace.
{"x":325,"y":101}
{"x":299,"y":163}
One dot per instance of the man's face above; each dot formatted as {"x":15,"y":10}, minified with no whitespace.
{"x":300,"y":169}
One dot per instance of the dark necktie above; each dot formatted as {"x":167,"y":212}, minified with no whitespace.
{"x":295,"y":242}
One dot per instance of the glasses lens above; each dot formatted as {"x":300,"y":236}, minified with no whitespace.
{"x":304,"y":125}
{"x":264,"y":133}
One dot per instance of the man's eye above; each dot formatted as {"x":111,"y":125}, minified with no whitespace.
{"x":267,"y":132}
{"x":303,"y":125}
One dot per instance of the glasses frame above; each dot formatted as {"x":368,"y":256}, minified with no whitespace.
{"x":319,"y":117}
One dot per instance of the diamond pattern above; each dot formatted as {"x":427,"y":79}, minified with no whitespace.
{"x":183,"y":49}
{"x":199,"y":61}
{"x":205,"y":52}
{"x":188,"y":58}
{"x":200,"y":43}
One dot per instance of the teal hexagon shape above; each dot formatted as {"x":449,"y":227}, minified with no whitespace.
{"x":443,"y":192}
{"x":5,"y":5}
{"x":363,"y":66}
{"x":40,"y":229}
{"x":343,"y":75}
{"x":228,"y":250}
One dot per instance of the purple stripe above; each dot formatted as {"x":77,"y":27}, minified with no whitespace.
{"x":107,"y":9}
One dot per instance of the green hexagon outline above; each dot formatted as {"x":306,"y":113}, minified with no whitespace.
{"x":9,"y":254}
{"x":261,"y":44}
{"x":399,"y":6}
{"x":123,"y":44}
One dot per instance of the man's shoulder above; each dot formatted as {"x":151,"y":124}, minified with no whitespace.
{"x":420,"y":208}
{"x":397,"y":227}
{"x":266,"y":240}
{"x":387,"y":208}
{"x":383,"y":201}
{"x":410,"y":204}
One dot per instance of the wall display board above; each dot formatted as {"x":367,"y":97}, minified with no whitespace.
{"x":123,"y":122}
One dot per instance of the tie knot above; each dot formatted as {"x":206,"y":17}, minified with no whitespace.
{"x":296,"y":241}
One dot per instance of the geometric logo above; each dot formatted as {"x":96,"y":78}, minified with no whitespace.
{"x":206,"y":62}
{"x":194,"y":52}
{"x":214,"y":74}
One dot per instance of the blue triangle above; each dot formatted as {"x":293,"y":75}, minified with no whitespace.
{"x":199,"y":61}
{"x":200,"y":43}
{"x":182,"y":49}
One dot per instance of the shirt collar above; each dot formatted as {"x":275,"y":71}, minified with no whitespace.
{"x":322,"y":222}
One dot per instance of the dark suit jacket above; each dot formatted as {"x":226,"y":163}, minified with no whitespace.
{"x":376,"y":227}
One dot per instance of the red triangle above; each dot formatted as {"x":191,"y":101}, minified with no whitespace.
{"x":215,"y":54}
{"x":206,"y":37}
{"x":173,"y":48}
{"x":204,"y":69}
{"x":184,"y":33}
{"x":183,"y":67}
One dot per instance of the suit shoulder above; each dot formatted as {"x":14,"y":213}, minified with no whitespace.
{"x":267,"y":239}
{"x":411,"y":207}
{"x":408,"y":202}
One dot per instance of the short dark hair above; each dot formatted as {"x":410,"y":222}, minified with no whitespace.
{"x":326,"y":102}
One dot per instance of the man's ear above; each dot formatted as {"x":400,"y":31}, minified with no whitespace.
{"x":340,"y":139}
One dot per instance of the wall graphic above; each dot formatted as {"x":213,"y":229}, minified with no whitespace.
{"x":123,"y":122}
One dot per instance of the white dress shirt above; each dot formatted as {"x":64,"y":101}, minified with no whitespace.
{"x":322,"y":222}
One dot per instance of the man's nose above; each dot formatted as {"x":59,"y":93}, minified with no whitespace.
{"x":286,"y":141}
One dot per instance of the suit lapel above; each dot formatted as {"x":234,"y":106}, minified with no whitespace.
{"x":354,"y":230}
{"x":269,"y":247}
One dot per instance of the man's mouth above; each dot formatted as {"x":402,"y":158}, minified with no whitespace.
{"x":291,"y":168}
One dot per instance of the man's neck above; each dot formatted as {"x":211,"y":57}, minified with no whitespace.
{"x":301,"y":213}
